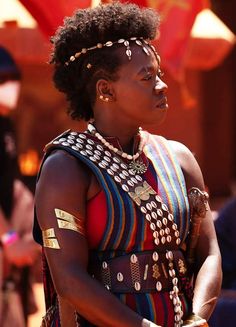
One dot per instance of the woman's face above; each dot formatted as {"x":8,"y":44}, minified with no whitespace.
{"x":140,"y":94}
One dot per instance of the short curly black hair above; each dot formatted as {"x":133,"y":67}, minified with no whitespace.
{"x":84,"y":29}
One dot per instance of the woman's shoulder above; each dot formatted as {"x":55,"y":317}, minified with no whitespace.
{"x":62,"y":171}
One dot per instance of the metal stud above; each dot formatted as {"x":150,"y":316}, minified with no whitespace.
{"x":117,"y":179}
{"x":80,"y":146}
{"x":143,"y":209}
{"x":90,"y":141}
{"x":122,"y":176}
{"x":169,"y":255}
{"x":158,"y":198}
{"x":165,"y":221}
{"x":178,"y":241}
{"x":100,"y":164}
{"x":89,"y":147}
{"x":174,"y":227}
{"x":137,"y":286}
{"x":130,"y":183}
{"x":125,"y":188}
{"x":90,"y":153}
{"x":152,"y":226}
{"x":96,"y":157}
{"x":170,"y":217}
{"x":105,"y":162}
{"x":162,"y":232}
{"x":176,"y":233}
{"x":117,"y":160}
{"x":93,"y":159}
{"x":159,"y":223}
{"x":155,"y":256}
{"x":148,"y":217}
{"x":107,"y":159}
{"x":153,"y":203}
{"x":154,"y":215}
{"x":114,"y":168}
{"x":99,"y":147}
{"x":134,"y":180}
{"x":80,"y":141}
{"x":83,"y":153}
{"x":110,"y":172}
{"x":104,"y":265}
{"x":120,"y":277}
{"x":97,"y":152}
{"x":155,"y":234}
{"x":164,"y":207}
{"x":156,"y":241}
{"x":159,"y":212}
{"x":163,"y":240}
{"x":133,"y":258}
{"x":107,"y":153}
{"x":158,"y":286}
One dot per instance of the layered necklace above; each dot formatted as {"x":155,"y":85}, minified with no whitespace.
{"x":136,"y":165}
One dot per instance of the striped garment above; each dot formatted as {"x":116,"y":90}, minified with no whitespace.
{"x":125,"y":229}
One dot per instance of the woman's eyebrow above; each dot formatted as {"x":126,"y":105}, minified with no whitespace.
{"x":148,"y":69}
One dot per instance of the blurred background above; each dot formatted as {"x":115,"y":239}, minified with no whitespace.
{"x":197,"y":46}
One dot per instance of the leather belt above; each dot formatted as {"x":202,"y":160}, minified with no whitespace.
{"x":142,"y":272}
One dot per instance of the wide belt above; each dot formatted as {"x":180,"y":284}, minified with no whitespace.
{"x":142,"y":272}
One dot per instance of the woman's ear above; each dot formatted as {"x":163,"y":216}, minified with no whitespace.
{"x":105,"y":90}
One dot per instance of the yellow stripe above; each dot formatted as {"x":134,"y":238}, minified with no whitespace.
{"x":48,"y":233}
{"x":66,"y":216}
{"x":71,"y":226}
{"x":51,"y":243}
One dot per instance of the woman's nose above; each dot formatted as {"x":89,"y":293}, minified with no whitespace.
{"x":160,"y":86}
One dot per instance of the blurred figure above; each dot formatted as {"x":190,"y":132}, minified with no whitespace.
{"x":225,"y":226}
{"x":17,"y":248}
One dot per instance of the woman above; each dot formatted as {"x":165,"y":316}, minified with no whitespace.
{"x":111,"y":202}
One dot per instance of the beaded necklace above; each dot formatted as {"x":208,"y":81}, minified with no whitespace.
{"x":137,"y":166}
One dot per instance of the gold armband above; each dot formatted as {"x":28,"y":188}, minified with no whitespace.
{"x":49,"y":239}
{"x":67,"y":221}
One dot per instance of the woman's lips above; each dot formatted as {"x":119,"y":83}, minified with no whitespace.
{"x":162,"y":104}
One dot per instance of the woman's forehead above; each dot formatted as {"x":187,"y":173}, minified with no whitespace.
{"x":140,"y":59}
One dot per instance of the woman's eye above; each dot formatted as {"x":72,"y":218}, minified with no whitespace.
{"x":147,"y":78}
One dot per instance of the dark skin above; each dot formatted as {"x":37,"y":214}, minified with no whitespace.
{"x":137,"y":97}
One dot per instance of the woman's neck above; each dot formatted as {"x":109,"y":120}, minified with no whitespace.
{"x":124,"y":135}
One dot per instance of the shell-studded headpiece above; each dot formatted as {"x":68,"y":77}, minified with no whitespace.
{"x":145,"y":44}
